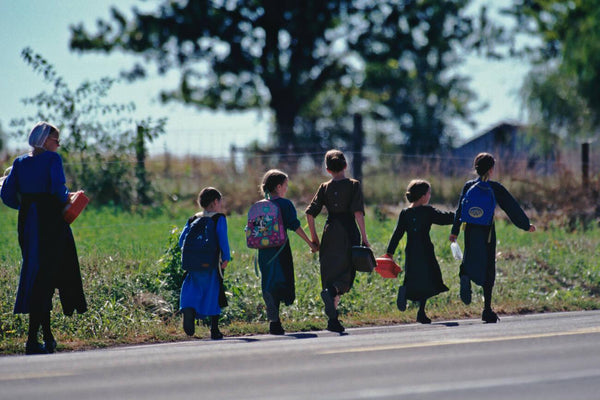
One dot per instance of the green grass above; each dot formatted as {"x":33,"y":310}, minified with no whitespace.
{"x":131,"y":299}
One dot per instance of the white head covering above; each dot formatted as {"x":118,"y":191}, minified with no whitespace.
{"x":39,"y":134}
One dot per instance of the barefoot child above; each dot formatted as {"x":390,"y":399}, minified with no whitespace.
{"x":343,"y":199}
{"x":276,"y":263}
{"x":423,"y":278}
{"x":202,"y":292}
{"x":479,"y":260}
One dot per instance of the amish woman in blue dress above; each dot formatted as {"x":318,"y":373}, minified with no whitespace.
{"x":36,"y":187}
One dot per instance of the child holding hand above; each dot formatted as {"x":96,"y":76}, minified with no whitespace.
{"x":343,"y":199}
{"x":422,"y":276}
{"x":276,"y":263}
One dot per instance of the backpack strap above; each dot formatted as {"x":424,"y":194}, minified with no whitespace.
{"x":215,"y":218}
{"x":256,"y":270}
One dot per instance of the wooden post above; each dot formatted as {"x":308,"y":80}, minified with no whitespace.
{"x":585,"y":164}
{"x":358,"y":136}
{"x":140,"y":167}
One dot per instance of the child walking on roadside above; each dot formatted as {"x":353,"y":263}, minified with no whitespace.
{"x":276,"y":263}
{"x":205,"y":254}
{"x":423,"y":278}
{"x":343,"y":199}
{"x":479,"y":260}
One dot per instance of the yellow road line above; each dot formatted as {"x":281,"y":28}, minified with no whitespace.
{"x":462,"y":341}
{"x":33,"y":375}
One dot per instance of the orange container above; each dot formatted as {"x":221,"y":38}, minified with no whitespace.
{"x":387,"y":268}
{"x":77,"y":202}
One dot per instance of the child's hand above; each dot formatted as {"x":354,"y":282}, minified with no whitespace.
{"x":314,"y":247}
{"x":531,"y":228}
{"x":452,"y":238}
{"x":224,"y":264}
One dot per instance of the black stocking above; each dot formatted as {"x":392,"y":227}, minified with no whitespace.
{"x":422,"y":305}
{"x":214,"y":322}
{"x":487,"y":297}
{"x":45,"y":321}
{"x":34,"y":326}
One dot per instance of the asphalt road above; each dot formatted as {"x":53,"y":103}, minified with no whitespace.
{"x":547,"y":356}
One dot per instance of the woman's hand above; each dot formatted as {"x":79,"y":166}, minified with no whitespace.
{"x":531,"y":228}
{"x":452,"y":238}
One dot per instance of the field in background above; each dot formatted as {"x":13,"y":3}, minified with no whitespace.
{"x":123,"y":255}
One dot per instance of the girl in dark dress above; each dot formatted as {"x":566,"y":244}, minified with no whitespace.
{"x":36,"y":187}
{"x":343,"y":199}
{"x":276,"y":264}
{"x":423,"y":278}
{"x":479,"y":260}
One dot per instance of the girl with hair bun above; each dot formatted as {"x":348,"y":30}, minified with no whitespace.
{"x":276,"y":263}
{"x":423,"y":277}
{"x":479,"y":260}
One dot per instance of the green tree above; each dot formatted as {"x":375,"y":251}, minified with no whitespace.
{"x":278,"y":54}
{"x":563,"y":91}
{"x":100,"y":140}
{"x":291,"y":56}
{"x":410,"y":49}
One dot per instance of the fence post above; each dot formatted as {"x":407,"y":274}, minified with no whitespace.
{"x":358,"y":141}
{"x":585,"y":164}
{"x":140,"y":167}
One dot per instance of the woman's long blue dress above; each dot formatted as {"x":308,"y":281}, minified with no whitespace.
{"x":36,"y":187}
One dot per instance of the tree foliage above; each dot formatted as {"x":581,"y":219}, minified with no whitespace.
{"x":305,"y":60}
{"x":99,"y":139}
{"x":410,"y":48}
{"x":247,"y":54}
{"x":563,"y":91}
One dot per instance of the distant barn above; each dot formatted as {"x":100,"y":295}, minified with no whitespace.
{"x":508,"y":143}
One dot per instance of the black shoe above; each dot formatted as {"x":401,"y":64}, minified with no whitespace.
{"x":490,"y":317}
{"x":189,"y":317}
{"x":35,"y":348}
{"x":465,"y":289}
{"x":50,"y":346}
{"x":334,"y":325}
{"x":423,"y":318}
{"x":275,"y":328}
{"x":401,"y":300}
{"x":329,"y":302}
{"x":215,"y":334}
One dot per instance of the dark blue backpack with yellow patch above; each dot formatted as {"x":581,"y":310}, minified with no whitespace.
{"x":478,"y":204}
{"x":201,"y":250}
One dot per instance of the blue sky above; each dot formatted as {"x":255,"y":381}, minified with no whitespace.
{"x":43,"y":25}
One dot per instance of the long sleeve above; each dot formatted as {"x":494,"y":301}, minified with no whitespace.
{"x":58,"y":186}
{"x":439,"y":217}
{"x":184,"y":233}
{"x":396,"y":236}
{"x":510,"y":206}
{"x":9,"y":192}
{"x":223,"y":240}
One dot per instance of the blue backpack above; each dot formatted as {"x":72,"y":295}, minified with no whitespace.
{"x":201,"y":250}
{"x":478,"y":204}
